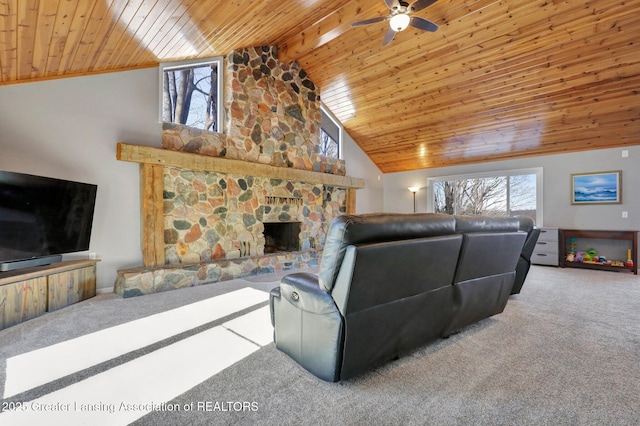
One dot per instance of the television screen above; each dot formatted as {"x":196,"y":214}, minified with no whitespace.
{"x":41,"y":216}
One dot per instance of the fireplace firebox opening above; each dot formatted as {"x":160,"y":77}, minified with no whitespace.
{"x":281,"y":237}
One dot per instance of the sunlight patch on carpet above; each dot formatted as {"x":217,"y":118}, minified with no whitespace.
{"x":36,"y":368}
{"x":255,"y":326}
{"x":127,"y":392}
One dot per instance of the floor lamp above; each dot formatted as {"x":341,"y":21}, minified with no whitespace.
{"x":413,"y":190}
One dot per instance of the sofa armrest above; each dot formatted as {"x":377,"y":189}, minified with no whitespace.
{"x":303,"y":290}
{"x":307,"y":325}
{"x":530,"y":243}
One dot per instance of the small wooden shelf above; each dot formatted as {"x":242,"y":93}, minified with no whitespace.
{"x":31,"y":292}
{"x":629,"y":238}
{"x":597,"y":265}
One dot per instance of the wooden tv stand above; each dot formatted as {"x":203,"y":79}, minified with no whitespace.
{"x":629,"y":238}
{"x":30,"y":292}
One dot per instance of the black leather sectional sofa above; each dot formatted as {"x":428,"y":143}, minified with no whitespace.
{"x":391,"y":282}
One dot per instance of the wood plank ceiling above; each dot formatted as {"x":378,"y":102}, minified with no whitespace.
{"x":499,"y":79}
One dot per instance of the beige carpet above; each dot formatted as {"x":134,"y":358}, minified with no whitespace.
{"x":565,"y":351}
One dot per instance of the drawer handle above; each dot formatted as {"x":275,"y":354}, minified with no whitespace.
{"x":542,"y":243}
{"x":540,"y":254}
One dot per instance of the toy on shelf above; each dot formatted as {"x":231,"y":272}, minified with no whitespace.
{"x":571,"y":252}
{"x":629,"y":261}
{"x":590,"y":256}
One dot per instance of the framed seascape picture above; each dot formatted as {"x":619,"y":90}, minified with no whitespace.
{"x":596,"y":188}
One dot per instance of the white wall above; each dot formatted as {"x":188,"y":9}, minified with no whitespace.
{"x":69,"y":129}
{"x":557,"y":170}
{"x":370,"y":199}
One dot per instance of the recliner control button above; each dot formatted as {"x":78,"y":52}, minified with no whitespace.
{"x":295,"y":295}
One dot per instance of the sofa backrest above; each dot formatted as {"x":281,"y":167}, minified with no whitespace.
{"x":346,"y":230}
{"x":394,"y":277}
{"x":485,"y":254}
{"x":393,"y":296}
{"x":491,"y":246}
{"x":526,"y":224}
{"x":374,"y":274}
{"x":468,"y":223}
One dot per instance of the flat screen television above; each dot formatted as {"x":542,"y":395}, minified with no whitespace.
{"x":42,"y":218}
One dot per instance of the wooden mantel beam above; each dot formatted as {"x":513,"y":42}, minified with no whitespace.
{"x":331,"y":26}
{"x":164,"y":157}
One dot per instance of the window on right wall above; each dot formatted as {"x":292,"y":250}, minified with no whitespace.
{"x":330,"y":134}
{"x":506,"y":193}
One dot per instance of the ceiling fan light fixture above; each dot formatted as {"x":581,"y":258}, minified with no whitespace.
{"x":399,"y":22}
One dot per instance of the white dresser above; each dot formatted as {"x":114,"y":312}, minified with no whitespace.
{"x":546,"y":250}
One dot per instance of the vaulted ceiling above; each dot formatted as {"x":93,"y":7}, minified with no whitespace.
{"x":499,"y":79}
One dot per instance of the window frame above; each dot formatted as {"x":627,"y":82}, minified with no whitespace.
{"x":192,"y":63}
{"x":538,"y":171}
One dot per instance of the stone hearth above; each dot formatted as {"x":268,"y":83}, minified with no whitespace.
{"x":148,"y":280}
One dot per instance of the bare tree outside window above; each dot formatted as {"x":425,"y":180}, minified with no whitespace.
{"x":330,"y":134}
{"x":522,"y":195}
{"x":492,"y":196}
{"x":444,"y":197}
{"x":483,"y":196}
{"x":189,"y":96}
{"x":328,"y":146}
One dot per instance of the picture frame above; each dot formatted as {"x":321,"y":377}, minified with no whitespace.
{"x":596,"y":188}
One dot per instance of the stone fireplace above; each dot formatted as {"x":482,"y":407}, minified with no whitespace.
{"x":257,"y":198}
{"x":281,"y":237}
{"x":211,"y":216}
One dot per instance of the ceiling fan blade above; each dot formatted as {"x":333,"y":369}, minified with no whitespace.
{"x":423,"y":24}
{"x":388,"y":37}
{"x":421,"y":4}
{"x":369,"y":21}
{"x":392,"y":4}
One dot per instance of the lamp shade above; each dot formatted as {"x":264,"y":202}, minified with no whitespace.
{"x":399,"y":22}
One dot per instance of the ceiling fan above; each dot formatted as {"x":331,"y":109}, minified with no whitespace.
{"x":399,"y":18}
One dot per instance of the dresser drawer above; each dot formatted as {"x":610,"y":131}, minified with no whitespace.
{"x":545,"y":258}
{"x":548,"y":234}
{"x":547,"y":247}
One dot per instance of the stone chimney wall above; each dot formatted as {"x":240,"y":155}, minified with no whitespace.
{"x":272,"y":117}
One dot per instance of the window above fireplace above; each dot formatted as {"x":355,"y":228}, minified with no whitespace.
{"x":191,"y":93}
{"x":330,"y":134}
